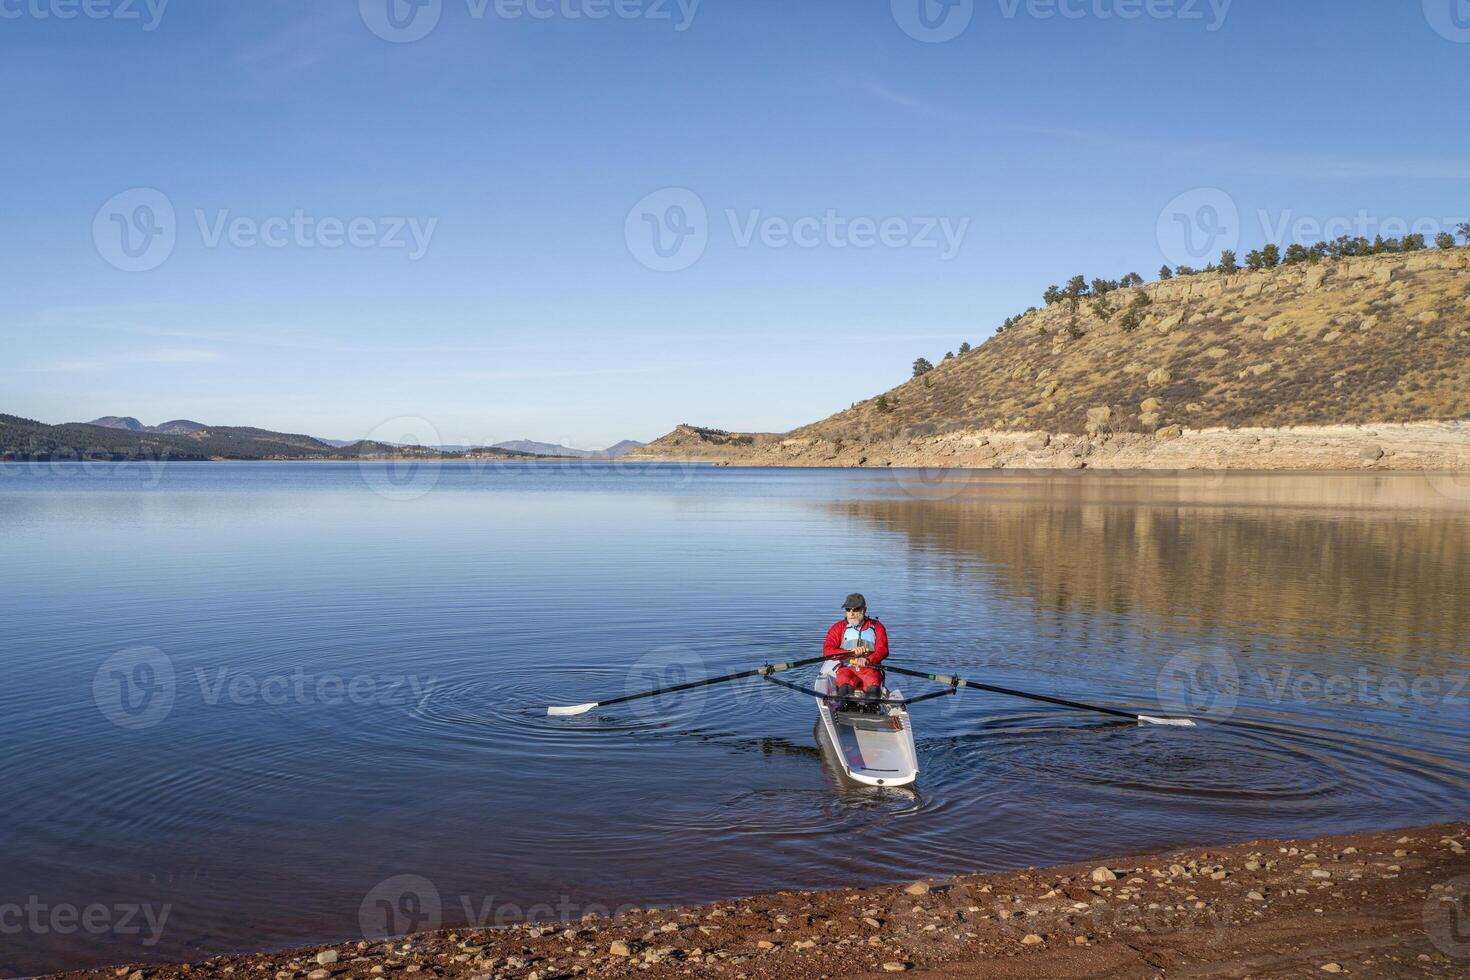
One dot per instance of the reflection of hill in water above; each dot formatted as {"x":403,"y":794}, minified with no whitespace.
{"x":1385,"y":562}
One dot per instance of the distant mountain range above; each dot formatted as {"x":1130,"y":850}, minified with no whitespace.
{"x":548,"y":449}
{"x":125,"y":437}
{"x":533,"y":448}
{"x":184,"y":427}
{"x":178,"y":427}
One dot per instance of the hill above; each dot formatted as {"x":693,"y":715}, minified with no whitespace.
{"x":27,"y":439}
{"x":1198,"y":370}
{"x":178,"y":427}
{"x":118,"y":422}
{"x":550,"y":449}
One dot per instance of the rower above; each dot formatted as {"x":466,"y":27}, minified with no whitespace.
{"x":861,"y":643}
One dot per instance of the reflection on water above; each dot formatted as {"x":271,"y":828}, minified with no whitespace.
{"x":1381,"y":561}
{"x":350,"y":688}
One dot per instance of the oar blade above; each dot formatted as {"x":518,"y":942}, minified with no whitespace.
{"x":566,"y":711}
{"x":1178,"y":722}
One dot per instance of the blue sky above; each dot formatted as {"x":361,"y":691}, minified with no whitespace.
{"x":461,"y":225}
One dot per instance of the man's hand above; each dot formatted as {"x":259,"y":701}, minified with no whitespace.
{"x":860,"y":662}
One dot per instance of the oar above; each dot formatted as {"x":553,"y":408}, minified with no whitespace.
{"x":961,"y":682}
{"x":858,"y":698}
{"x":578,"y":709}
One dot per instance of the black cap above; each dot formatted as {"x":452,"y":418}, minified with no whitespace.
{"x":855,"y":601}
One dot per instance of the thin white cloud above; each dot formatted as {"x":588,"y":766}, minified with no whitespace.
{"x":310,"y":37}
{"x":173,"y":356}
{"x":104,"y":362}
{"x":1225,"y":156}
{"x":903,"y":100}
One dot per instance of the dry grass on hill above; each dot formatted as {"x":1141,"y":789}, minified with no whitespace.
{"x":1379,"y":339}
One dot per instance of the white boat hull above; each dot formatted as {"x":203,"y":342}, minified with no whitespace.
{"x":872,"y":749}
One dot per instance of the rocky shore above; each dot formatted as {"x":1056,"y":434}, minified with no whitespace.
{"x":1385,"y":904}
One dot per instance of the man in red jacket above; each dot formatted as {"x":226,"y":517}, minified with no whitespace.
{"x":861,"y":643}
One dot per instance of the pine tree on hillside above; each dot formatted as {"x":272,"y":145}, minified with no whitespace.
{"x":1133,"y":317}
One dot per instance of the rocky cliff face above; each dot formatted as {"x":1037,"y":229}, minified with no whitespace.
{"x":1305,"y":348}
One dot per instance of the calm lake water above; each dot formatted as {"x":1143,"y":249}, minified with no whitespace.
{"x":257,"y":705}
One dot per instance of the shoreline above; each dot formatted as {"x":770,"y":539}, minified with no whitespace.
{"x":1385,"y":903}
{"x":1387,"y":447}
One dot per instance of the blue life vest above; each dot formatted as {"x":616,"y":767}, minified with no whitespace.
{"x":851,"y":636}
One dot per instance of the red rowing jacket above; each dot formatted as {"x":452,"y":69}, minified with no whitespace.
{"x":832,"y":648}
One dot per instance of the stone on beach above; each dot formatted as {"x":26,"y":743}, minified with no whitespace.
{"x":900,"y":913}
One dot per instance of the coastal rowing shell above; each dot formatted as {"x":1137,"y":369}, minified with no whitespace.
{"x":873,"y":749}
